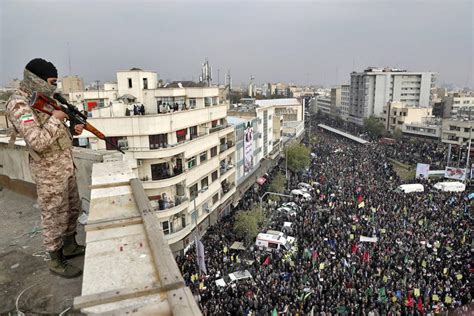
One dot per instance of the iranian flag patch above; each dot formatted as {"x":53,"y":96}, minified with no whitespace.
{"x":27,"y":118}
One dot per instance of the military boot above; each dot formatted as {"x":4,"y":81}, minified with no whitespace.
{"x":58,"y":265}
{"x":71,"y":248}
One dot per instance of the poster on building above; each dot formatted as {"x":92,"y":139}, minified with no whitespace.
{"x":422,"y":170}
{"x":248,"y":148}
{"x":455,"y":173}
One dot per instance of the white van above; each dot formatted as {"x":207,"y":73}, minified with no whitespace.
{"x":450,"y":186}
{"x":301,"y":194}
{"x":291,"y":240}
{"x":305,"y":187}
{"x":272,"y":242}
{"x":409,"y":188}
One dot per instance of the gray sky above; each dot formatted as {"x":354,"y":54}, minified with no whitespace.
{"x":294,"y":41}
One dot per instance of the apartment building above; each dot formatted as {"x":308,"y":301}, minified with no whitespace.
{"x":291,"y":111}
{"x":335,"y":101}
{"x":182,"y":149}
{"x":94,"y":97}
{"x":345,"y":101}
{"x":457,"y":132}
{"x":71,"y":84}
{"x":373,"y":88}
{"x":322,"y":103}
{"x":396,"y":114}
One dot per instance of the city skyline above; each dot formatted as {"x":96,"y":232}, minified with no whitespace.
{"x":302,"y":42}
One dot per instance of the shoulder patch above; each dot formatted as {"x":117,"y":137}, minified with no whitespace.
{"x":27,"y":118}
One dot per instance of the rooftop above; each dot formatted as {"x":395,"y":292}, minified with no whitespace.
{"x":282,"y":102}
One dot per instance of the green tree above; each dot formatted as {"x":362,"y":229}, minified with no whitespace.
{"x":278,"y":183}
{"x":248,"y":223}
{"x":397,"y":134}
{"x":298,"y":157}
{"x":373,"y":127}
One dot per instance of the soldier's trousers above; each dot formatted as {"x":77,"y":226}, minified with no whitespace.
{"x":58,"y":197}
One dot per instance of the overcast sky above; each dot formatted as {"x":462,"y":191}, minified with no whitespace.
{"x":318,"y":42}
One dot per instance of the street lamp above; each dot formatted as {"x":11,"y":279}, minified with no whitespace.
{"x":272,"y":193}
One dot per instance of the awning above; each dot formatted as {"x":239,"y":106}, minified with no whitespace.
{"x":261,"y":180}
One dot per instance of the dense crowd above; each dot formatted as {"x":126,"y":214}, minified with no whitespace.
{"x":420,"y":263}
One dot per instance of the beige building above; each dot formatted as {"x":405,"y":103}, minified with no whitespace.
{"x":72,"y":84}
{"x":396,"y":114}
{"x":457,"y":132}
{"x":335,"y":101}
{"x":182,"y":149}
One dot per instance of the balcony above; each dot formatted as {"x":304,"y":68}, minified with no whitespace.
{"x":226,"y":149}
{"x":172,"y":210}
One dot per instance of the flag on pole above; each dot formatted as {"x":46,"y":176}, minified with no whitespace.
{"x":267,"y":261}
{"x":200,"y":257}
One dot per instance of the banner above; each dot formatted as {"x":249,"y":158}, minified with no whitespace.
{"x":422,"y":170}
{"x":248,"y":148}
{"x":368,"y":239}
{"x":200,"y":257}
{"x":455,"y":173}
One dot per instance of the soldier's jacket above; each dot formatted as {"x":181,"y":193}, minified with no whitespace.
{"x":43,"y":133}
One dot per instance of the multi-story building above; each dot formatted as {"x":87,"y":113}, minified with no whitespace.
{"x":427,"y":129}
{"x":457,"y":132}
{"x":396,"y":114}
{"x":72,"y":84}
{"x":264,"y":127}
{"x":322,"y":103}
{"x":457,"y":101}
{"x":345,"y":100}
{"x":95,"y":97}
{"x":182,"y":149}
{"x":335,"y":101}
{"x":372,"y":89}
{"x":290,"y":110}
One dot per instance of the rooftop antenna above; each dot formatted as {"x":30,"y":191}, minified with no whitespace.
{"x":206,"y":73}
{"x":69,"y":58}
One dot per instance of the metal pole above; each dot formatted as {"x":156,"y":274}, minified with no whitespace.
{"x":468,"y":151}
{"x":449,"y":155}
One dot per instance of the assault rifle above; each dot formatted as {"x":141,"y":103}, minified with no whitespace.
{"x":47,"y":105}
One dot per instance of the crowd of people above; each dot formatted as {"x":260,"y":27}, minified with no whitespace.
{"x":363,"y":248}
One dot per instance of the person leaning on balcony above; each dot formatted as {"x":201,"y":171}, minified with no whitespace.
{"x":51,"y":164}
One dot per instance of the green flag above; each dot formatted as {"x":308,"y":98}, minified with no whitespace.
{"x":274,"y":312}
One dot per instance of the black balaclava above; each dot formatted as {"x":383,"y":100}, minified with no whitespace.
{"x":35,"y":76}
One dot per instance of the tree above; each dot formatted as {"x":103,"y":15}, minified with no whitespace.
{"x":298,"y":157}
{"x":373,"y":127}
{"x":248,"y":223}
{"x":397,"y":134}
{"x":278,"y":183}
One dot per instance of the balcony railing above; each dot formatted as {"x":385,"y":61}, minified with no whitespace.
{"x":218,"y":128}
{"x":166,"y":205}
{"x":224,"y":147}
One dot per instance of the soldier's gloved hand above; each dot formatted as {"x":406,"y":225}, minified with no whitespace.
{"x":60,"y":115}
{"x":78,"y":128}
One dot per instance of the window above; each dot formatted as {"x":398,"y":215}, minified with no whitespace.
{"x":203,"y":156}
{"x":214,"y":101}
{"x":181,"y":135}
{"x":214,"y":176}
{"x":167,"y":227}
{"x":192,"y":103}
{"x":207,"y":101}
{"x":114,"y":141}
{"x":129,"y":83}
{"x":158,"y":141}
{"x":183,"y":221}
{"x":215,"y":198}
{"x":193,"y":191}
{"x":272,"y":245}
{"x":214,"y":123}
{"x":191,"y":162}
{"x":145,"y":83}
{"x":214,"y":151}
{"x":160,"y":171}
{"x":193,"y":132}
{"x":204,"y":183}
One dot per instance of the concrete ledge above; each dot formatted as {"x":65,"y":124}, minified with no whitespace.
{"x":18,"y":186}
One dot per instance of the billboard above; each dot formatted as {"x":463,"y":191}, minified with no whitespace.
{"x":422,"y":170}
{"x":248,"y":148}
{"x":455,"y":173}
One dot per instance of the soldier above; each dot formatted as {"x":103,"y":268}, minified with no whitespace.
{"x":51,"y":164}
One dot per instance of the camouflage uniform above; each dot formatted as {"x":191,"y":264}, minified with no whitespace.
{"x":51,"y":162}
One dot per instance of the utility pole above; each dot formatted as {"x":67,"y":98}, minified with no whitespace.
{"x":468,"y":150}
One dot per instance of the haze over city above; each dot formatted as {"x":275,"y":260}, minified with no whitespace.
{"x":305,"y":42}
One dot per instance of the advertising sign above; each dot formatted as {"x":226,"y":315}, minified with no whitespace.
{"x":422,"y":170}
{"x":248,"y":148}
{"x":455,"y":173}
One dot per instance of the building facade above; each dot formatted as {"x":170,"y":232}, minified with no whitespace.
{"x":345,"y":101}
{"x":372,"y":89}
{"x":72,"y":84}
{"x":457,"y":132}
{"x":396,"y":114}
{"x":182,"y":149}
